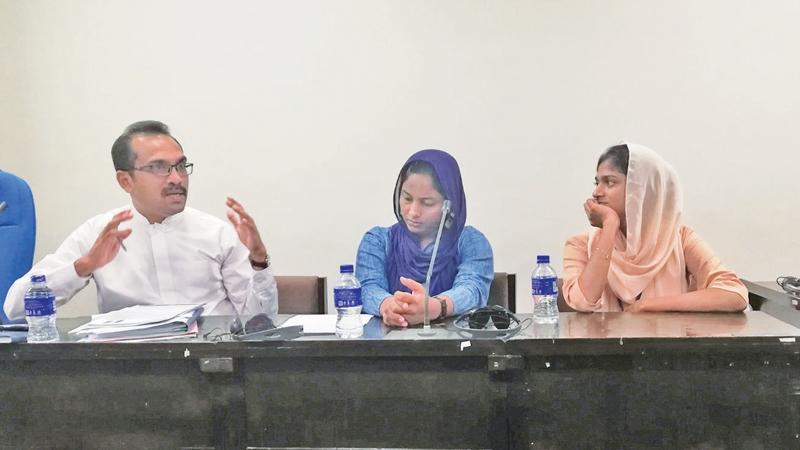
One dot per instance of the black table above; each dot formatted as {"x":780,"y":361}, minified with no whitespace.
{"x":614,"y":380}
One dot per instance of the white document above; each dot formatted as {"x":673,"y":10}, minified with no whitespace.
{"x":318,"y":323}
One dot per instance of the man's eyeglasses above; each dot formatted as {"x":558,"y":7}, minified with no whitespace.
{"x":255,"y":326}
{"x":162,"y":169}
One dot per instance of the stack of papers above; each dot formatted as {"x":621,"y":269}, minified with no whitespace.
{"x":141,"y":323}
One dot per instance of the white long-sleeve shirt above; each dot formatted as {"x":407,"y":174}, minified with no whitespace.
{"x":189,"y":258}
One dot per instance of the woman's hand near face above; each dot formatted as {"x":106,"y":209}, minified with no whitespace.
{"x":594,"y":277}
{"x":600,"y":216}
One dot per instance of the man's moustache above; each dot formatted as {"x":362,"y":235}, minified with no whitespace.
{"x":175,"y":190}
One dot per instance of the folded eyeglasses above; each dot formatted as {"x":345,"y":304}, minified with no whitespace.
{"x":256,"y":328}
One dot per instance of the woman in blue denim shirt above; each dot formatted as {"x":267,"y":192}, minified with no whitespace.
{"x":393,"y":262}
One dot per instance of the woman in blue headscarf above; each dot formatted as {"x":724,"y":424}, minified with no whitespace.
{"x":393,"y":262}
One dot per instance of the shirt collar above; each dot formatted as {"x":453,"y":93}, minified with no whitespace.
{"x":169,"y":222}
{"x":174,"y":220}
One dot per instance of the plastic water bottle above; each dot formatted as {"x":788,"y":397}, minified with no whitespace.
{"x":40,"y":311}
{"x":544,"y":289}
{"x":347,"y":299}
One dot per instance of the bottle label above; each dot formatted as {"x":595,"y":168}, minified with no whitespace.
{"x":346,"y":297}
{"x":40,"y":306}
{"x":544,"y":286}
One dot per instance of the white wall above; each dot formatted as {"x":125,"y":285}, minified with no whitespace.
{"x":305,"y":111}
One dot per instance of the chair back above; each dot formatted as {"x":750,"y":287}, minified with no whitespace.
{"x":503,"y":291}
{"x":301,"y":294}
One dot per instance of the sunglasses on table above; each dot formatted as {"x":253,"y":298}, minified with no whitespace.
{"x":489,"y":322}
{"x":254,"y":328}
{"x":501,"y":318}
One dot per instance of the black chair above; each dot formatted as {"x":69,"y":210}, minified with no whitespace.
{"x":301,"y":294}
{"x":503,"y":291}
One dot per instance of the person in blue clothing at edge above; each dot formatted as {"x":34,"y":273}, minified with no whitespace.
{"x":392,"y":262}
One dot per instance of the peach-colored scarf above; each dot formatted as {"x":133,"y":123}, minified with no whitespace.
{"x":649,"y":261}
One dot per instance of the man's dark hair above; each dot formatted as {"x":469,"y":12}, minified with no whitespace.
{"x":121,"y":152}
{"x":618,"y":155}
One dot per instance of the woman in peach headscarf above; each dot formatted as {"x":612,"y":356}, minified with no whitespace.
{"x":641,"y":257}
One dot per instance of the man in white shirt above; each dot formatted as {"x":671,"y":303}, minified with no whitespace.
{"x":158,"y":251}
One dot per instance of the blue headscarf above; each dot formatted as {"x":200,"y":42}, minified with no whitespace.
{"x":405,"y":257}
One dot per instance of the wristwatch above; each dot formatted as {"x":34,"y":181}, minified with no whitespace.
{"x":443,"y":314}
{"x":260,"y":264}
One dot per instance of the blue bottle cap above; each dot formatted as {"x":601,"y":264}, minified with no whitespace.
{"x":543,"y":259}
{"x":346,"y":268}
{"x":38,"y":278}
